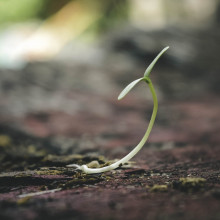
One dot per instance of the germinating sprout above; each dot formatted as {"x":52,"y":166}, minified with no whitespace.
{"x":147,"y":80}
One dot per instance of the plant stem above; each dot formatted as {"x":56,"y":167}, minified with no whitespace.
{"x":125,"y":159}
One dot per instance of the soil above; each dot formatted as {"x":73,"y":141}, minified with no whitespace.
{"x":49,"y":121}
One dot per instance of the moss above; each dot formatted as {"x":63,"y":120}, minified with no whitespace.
{"x":43,"y":188}
{"x":106,"y":164}
{"x":22,"y":175}
{"x":192,"y":180}
{"x":23,"y":201}
{"x":49,"y":172}
{"x":80,"y":179}
{"x":190,"y":184}
{"x":5,"y":140}
{"x":31,"y":149}
{"x":159,"y":188}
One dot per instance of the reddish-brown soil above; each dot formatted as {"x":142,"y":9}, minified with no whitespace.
{"x":150,"y":188}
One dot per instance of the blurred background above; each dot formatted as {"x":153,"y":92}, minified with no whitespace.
{"x":63,"y":64}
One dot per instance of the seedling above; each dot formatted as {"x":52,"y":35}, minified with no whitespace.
{"x":146,"y":79}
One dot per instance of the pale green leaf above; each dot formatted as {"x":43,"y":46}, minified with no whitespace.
{"x":128,"y":88}
{"x":150,"y":67}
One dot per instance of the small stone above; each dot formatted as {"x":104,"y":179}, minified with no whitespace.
{"x":93,"y":164}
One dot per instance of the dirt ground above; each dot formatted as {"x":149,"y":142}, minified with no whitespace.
{"x":57,"y":113}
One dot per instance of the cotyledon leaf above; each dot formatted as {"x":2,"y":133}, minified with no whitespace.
{"x":150,"y":67}
{"x":129,"y":87}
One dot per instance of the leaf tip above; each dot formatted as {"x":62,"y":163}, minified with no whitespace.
{"x":120,"y":97}
{"x":150,"y":67}
{"x":128,"y":88}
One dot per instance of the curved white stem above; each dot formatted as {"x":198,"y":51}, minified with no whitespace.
{"x":125,"y":159}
